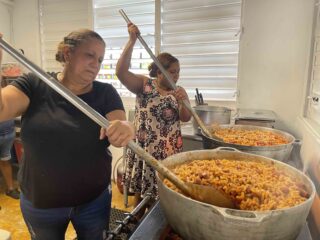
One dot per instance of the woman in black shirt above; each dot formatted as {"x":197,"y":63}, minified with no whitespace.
{"x":65,"y":175}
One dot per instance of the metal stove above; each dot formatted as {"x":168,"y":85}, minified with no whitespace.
{"x":123,"y":224}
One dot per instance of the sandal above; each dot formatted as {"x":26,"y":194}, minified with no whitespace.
{"x":14,"y":193}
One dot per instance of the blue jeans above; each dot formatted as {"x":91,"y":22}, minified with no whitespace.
{"x":6,"y":142}
{"x":91,"y":220}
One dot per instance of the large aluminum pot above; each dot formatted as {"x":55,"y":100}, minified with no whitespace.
{"x":211,"y":114}
{"x":278,"y":152}
{"x":194,"y":220}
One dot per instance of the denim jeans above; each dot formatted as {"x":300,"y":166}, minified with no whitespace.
{"x":6,"y":142}
{"x":90,"y":220}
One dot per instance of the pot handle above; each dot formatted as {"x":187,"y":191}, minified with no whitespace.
{"x":297,"y":142}
{"x":231,"y":149}
{"x":241,"y":217}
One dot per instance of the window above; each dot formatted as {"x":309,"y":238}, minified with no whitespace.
{"x":203,"y":35}
{"x":57,"y":19}
{"x":113,"y":28}
{"x":313,"y":100}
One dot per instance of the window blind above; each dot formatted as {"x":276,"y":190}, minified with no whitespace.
{"x":203,"y":35}
{"x":314,"y":97}
{"x":113,"y":28}
{"x":57,"y":19}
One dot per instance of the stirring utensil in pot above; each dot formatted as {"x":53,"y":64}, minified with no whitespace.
{"x":168,"y":77}
{"x":212,"y":195}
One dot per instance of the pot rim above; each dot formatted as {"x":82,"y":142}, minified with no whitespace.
{"x":256,"y":157}
{"x":288,"y":136}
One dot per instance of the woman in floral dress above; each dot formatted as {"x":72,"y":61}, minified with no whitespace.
{"x":158,"y":113}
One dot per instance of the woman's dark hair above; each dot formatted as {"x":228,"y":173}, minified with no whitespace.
{"x":74,"y":39}
{"x":166,"y":59}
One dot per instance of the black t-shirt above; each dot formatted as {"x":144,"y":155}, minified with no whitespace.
{"x":65,"y":164}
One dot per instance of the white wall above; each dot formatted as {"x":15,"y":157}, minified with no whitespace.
{"x":274,"y":53}
{"x":26,"y":29}
{"x":6,"y":10}
{"x":273,"y":65}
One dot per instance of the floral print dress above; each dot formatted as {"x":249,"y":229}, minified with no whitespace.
{"x":158,"y":132}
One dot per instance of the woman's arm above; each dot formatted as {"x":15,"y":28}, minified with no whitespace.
{"x":181,"y":94}
{"x":120,"y":131}
{"x":13,"y":102}
{"x":116,"y":115}
{"x":184,"y":113}
{"x":134,"y":82}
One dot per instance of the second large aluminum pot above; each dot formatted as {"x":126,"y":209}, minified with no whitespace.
{"x":210,"y":115}
{"x":278,"y":152}
{"x":194,"y":220}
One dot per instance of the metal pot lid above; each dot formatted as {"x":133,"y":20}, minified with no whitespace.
{"x":255,"y":114}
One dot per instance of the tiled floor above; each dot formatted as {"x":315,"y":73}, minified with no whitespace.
{"x":11,"y":218}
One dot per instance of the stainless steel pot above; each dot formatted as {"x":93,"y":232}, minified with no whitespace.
{"x":278,"y":152}
{"x":211,"y":114}
{"x":195,"y":220}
